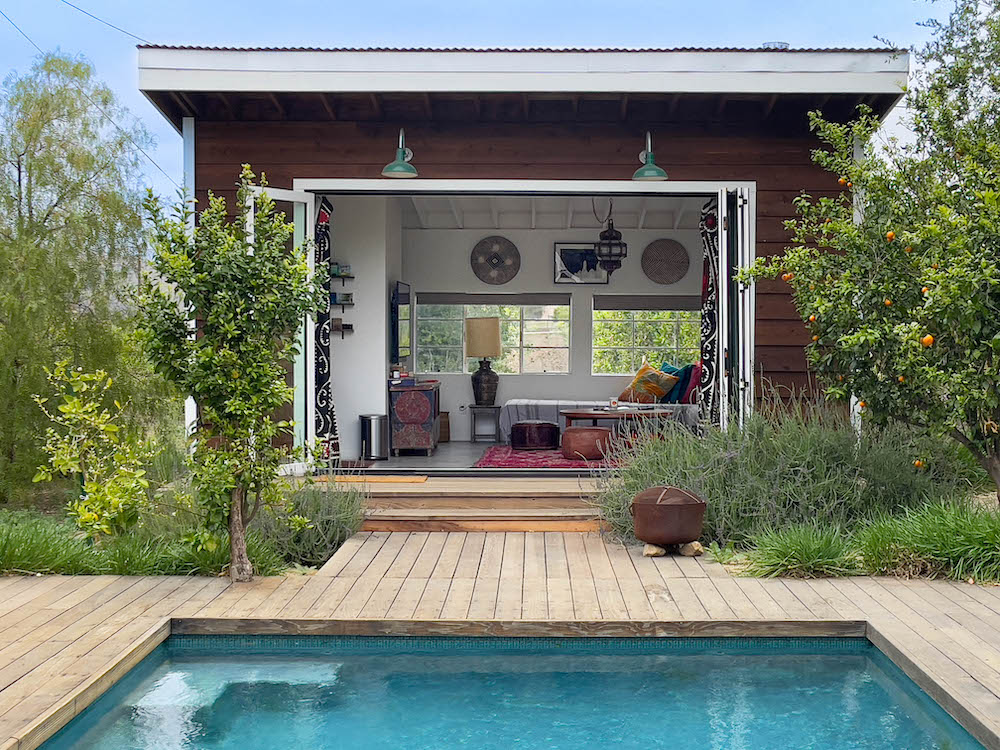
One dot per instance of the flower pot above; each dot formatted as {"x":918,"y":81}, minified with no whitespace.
{"x":667,"y":515}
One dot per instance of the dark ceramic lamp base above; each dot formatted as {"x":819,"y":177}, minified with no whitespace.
{"x":484,"y":384}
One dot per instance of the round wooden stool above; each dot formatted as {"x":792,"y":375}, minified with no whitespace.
{"x":534,"y":435}
{"x":588,"y":443}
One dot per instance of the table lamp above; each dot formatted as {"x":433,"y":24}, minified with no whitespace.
{"x":482,"y":339}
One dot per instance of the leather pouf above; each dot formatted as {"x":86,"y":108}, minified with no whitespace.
{"x":534,"y":435}
{"x":588,"y":443}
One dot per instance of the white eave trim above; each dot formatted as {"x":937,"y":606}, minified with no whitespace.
{"x":528,"y":72}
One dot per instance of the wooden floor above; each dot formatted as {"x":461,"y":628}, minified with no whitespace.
{"x":57,"y":632}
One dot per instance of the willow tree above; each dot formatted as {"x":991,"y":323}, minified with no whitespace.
{"x":899,"y":277}
{"x":70,"y":242}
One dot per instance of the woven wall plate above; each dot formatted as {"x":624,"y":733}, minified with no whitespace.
{"x":665,"y":261}
{"x":495,"y":260}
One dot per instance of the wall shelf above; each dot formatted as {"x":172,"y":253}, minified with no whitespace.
{"x":343,"y":279}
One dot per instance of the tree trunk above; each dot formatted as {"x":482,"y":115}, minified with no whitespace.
{"x":993,"y":467}
{"x":240,"y":568}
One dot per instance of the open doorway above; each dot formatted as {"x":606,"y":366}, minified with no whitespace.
{"x":570,"y":333}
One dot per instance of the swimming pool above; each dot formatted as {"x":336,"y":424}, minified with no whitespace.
{"x":326,"y":693}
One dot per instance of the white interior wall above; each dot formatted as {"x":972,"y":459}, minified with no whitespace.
{"x":437,"y":260}
{"x":366,"y":234}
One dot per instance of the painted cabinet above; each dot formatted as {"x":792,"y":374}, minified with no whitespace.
{"x":415,"y":416}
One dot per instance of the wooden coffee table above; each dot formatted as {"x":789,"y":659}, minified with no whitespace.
{"x":616,"y":415}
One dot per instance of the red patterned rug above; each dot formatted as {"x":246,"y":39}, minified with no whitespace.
{"x":504,"y":457}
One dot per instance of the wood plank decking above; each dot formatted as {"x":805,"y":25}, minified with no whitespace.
{"x":58,"y":632}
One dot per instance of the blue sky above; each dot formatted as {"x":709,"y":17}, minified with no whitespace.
{"x":655,"y":23}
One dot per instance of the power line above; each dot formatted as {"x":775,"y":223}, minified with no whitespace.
{"x":97,"y":106}
{"x":106,"y":23}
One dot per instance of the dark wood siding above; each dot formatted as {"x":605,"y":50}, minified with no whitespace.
{"x":779,"y":164}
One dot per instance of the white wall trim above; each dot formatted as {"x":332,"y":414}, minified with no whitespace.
{"x":420,"y":186}
{"x":187,"y":133}
{"x":859,"y":72}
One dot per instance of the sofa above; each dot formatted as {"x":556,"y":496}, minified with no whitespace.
{"x":547,"y":410}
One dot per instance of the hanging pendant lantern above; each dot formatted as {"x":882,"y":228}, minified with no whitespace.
{"x":610,"y":249}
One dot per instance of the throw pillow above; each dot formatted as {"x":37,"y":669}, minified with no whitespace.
{"x":691,"y":396}
{"x":648,"y":386}
{"x":676,"y":393}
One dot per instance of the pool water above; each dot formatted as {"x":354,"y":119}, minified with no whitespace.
{"x":326,"y":693}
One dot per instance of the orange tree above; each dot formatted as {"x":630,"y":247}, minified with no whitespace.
{"x":898,"y":278}
{"x":248,"y":295}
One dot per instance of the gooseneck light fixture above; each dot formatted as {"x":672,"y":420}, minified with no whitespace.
{"x":400,"y":167}
{"x":649,"y":172}
{"x":610,"y":249}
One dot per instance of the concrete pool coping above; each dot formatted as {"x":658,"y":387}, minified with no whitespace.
{"x":46,"y":725}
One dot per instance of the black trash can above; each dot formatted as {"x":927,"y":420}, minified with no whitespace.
{"x":374,"y":437}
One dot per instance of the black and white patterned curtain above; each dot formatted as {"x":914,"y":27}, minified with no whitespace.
{"x":708,"y":386}
{"x":326,"y":416}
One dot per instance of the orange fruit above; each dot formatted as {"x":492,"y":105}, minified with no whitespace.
{"x":927,"y":341}
{"x":925,"y":290}
{"x":842,"y":181}
{"x":815,"y":338}
{"x":918,"y":463}
{"x":890,"y":236}
{"x":827,"y":221}
{"x":812,"y":318}
{"x":901,"y":379}
{"x":862,"y":404}
{"x":909,"y":249}
{"x":850,"y":184}
{"x":787,"y":276}
{"x":935,"y":266}
{"x":888,"y":302}
{"x":840,"y":378}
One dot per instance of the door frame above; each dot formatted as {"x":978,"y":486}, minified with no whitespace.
{"x":304,"y":364}
{"x":745,"y":191}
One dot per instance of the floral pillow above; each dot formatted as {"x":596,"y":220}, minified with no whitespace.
{"x":648,"y":386}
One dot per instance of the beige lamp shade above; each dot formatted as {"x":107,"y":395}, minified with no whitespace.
{"x":482,"y":337}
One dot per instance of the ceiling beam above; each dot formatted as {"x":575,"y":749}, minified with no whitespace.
{"x":575,"y":100}
{"x":457,"y":213}
{"x":227,"y":104}
{"x":328,"y":106}
{"x":428,"y":108}
{"x":672,"y":107}
{"x":678,"y":215}
{"x":376,"y":106}
{"x":769,"y":106}
{"x":623,"y":108}
{"x":720,"y":108}
{"x":533,"y":211}
{"x":421,"y":215}
{"x":526,"y":106}
{"x":185,"y":106}
{"x":477,"y":102}
{"x":276,"y":103}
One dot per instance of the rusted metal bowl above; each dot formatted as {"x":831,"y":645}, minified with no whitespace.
{"x":667,"y":515}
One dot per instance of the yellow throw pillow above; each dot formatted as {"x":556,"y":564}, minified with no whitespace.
{"x":648,"y":386}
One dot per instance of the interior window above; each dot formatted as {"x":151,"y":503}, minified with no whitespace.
{"x":535,"y":338}
{"x":623,"y":338}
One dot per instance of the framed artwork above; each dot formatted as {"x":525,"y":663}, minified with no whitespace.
{"x":576,"y":263}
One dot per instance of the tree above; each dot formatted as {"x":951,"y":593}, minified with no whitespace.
{"x":70,"y":243}
{"x":898,"y":278}
{"x":247,"y":295}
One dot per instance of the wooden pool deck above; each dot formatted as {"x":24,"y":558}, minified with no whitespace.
{"x":64,"y":639}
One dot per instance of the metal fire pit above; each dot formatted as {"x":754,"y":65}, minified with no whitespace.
{"x":667,"y":515}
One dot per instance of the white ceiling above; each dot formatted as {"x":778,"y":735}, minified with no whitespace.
{"x":549,"y":212}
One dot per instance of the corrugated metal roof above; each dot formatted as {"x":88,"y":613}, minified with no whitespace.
{"x":519,"y":49}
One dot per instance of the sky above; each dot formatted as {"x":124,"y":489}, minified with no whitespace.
{"x":54,"y":25}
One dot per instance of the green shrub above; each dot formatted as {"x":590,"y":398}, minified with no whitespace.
{"x":802,"y":551}
{"x":787,"y":466}
{"x":335,"y":513}
{"x":32,"y":543}
{"x":956,"y":539}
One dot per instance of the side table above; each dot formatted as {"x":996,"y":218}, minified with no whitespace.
{"x":489,"y":414}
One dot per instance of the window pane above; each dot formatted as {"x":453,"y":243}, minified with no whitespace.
{"x":404,"y":334}
{"x":546,"y":360}
{"x":439,"y":311}
{"x":439,"y":360}
{"x":546,"y":333}
{"x":612,"y":334}
{"x":482,"y":311}
{"x":404,"y":312}
{"x":612,"y":315}
{"x":654,"y":334}
{"x":656,"y":357}
{"x":510,"y":334}
{"x":654,"y":314}
{"x":613,"y":362}
{"x":546,"y":312}
{"x":438,"y":333}
{"x":507,"y":364}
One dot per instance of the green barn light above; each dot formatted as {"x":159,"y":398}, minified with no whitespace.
{"x":649,"y":172}
{"x":400,"y":167}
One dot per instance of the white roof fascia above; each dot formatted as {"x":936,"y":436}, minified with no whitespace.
{"x":523,"y":72}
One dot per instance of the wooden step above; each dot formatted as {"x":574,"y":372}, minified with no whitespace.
{"x":476,"y":502}
{"x":481,"y":519}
